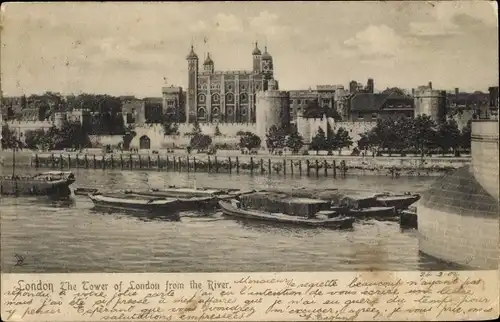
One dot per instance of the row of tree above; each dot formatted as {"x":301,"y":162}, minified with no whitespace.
{"x":420,"y":135}
{"x":331,"y":140}
{"x":70,"y":135}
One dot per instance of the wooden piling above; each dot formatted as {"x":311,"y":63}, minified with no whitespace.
{"x":334,"y":166}
{"x":251,"y":165}
{"x":61,"y":161}
{"x":262,"y":166}
{"x":216,"y":165}
{"x":326,"y":168}
{"x":187,"y":161}
{"x":121,"y":161}
{"x":230,"y":165}
{"x":194,"y":164}
{"x":53,"y":161}
{"x":104,"y":161}
{"x":209,"y":164}
{"x":300,"y":168}
{"x":168,"y":163}
{"x":140,"y":162}
{"x":158,"y":164}
{"x":69,"y":161}
{"x":86,"y":161}
{"x":95,"y":163}
{"x":308,"y":167}
{"x":149,"y":161}
{"x":284,"y":167}
{"x":77,"y":161}
{"x":37,"y":161}
{"x":237,"y":165}
{"x":317,"y":168}
{"x":269,"y":166}
{"x":179,"y":164}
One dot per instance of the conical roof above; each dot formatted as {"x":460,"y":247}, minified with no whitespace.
{"x":208,"y":60}
{"x":192,"y":54}
{"x":256,"y":50}
{"x":266,"y":55}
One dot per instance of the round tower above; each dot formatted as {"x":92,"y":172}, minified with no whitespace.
{"x":458,"y":217}
{"x":271,"y":110}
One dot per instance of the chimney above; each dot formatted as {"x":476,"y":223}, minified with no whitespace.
{"x":430,"y":85}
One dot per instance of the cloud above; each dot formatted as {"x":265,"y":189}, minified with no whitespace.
{"x":453,"y":18}
{"x":267,"y":23}
{"x":376,"y":41}
{"x":200,"y":25}
{"x":228,"y":23}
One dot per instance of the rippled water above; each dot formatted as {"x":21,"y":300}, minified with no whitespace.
{"x":71,"y":237}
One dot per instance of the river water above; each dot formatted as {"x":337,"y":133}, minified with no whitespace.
{"x":72,"y":237}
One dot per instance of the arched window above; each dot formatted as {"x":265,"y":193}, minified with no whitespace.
{"x":243,"y":97}
{"x":202,"y":113}
{"x":215,"y":111}
{"x":204,"y":86}
{"x":201,"y":98}
{"x":216,"y":98}
{"x":229,"y":111}
{"x":230,"y":98}
{"x":243,"y":111}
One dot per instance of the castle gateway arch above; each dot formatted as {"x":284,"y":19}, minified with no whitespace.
{"x":144,"y":143}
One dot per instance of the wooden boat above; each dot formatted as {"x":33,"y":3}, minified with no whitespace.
{"x":135,"y":203}
{"x":373,"y":212}
{"x":51,"y":183}
{"x":185,"y":201}
{"x":397,"y":201}
{"x":85,"y":191}
{"x":232,"y":209}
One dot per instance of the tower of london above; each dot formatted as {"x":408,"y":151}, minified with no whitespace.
{"x":226,"y":96}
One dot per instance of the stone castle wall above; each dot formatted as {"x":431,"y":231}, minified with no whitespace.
{"x":484,"y":147}
{"x":308,"y":128}
{"x":458,"y":217}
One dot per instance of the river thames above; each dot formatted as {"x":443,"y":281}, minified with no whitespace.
{"x":71,"y":237}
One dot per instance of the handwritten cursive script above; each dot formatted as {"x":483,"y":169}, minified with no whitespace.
{"x":258,"y":297}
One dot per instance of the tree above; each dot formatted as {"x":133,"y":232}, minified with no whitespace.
{"x":275,"y":139}
{"x":217,"y":131}
{"x":9,"y":138}
{"x":249,"y":140}
{"x":295,"y":142}
{"x":343,"y":139}
{"x":448,"y":136}
{"x":34,"y":139}
{"x":130,"y":134}
{"x":424,"y":133}
{"x":70,"y":135}
{"x":170,"y":128}
{"x":319,"y":142}
{"x":331,"y":139}
{"x":196,"y":128}
{"x":465,"y":136}
{"x":200,"y":141}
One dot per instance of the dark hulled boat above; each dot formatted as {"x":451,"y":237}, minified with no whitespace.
{"x":233,"y":209}
{"x":51,"y":183}
{"x":85,"y":191}
{"x":136,"y":203}
{"x":399,"y":202}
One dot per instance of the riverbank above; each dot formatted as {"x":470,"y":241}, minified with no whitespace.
{"x":302,"y":165}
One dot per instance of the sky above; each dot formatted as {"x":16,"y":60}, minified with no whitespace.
{"x":131,"y":48}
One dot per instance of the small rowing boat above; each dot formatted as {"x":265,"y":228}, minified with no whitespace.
{"x":85,"y":191}
{"x":136,"y":203}
{"x":399,"y":202}
{"x":232,"y":209}
{"x":50,"y":183}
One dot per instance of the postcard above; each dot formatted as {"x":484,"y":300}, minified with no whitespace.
{"x":250,"y":161}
